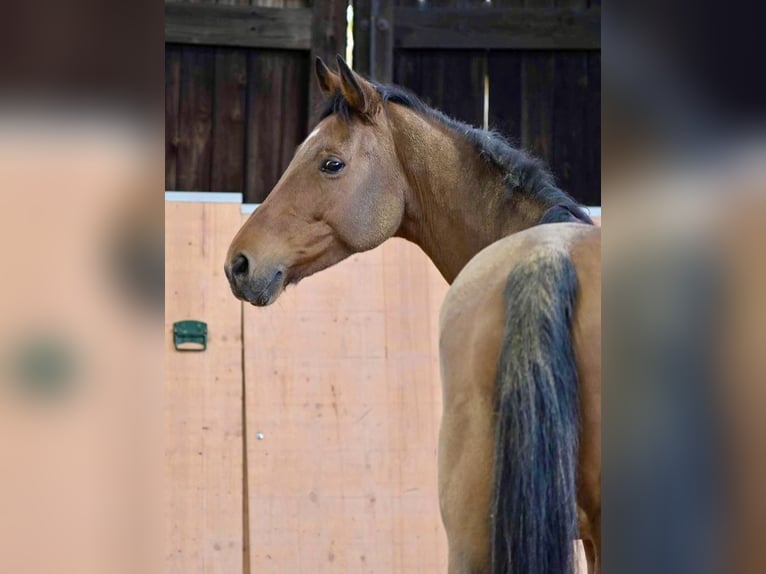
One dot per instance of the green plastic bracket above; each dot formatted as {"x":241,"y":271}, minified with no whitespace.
{"x":190,"y":335}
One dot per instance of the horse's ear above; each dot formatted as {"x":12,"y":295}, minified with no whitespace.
{"x":329,"y":82}
{"x":360,"y":94}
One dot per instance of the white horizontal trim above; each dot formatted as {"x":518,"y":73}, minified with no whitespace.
{"x":594,"y":211}
{"x":248,"y":208}
{"x":203,"y":197}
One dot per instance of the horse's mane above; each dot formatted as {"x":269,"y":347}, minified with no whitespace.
{"x":523,"y":173}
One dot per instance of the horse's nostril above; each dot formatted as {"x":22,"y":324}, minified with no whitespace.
{"x":239,"y":266}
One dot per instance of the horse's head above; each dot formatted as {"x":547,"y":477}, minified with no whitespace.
{"x":342,"y":193}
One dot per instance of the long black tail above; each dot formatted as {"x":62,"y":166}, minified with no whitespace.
{"x":534,"y":515}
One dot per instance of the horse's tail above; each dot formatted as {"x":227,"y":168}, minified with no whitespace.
{"x":534,"y":515}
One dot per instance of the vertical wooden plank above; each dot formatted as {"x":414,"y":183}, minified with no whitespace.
{"x":264,"y":118}
{"x":437,"y":291}
{"x":592,"y":193}
{"x":547,"y":112}
{"x":328,"y":38}
{"x":451,"y":81}
{"x":195,"y":116}
{"x":537,"y":104}
{"x":172,"y":98}
{"x":299,"y":356}
{"x":411,"y":360}
{"x":228,"y":155}
{"x":297,"y":73}
{"x":343,"y":393}
{"x":277,"y":111}
{"x":537,"y":96}
{"x":570,"y":118}
{"x":276,"y":123}
{"x":569,"y":143}
{"x":407,"y":71}
{"x":505,"y":76}
{"x":203,"y":396}
{"x":228,"y":159}
{"x":505,"y":81}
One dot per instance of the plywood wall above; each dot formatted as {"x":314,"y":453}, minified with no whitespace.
{"x":203,"y":396}
{"x":343,"y":407}
{"x":336,"y":469}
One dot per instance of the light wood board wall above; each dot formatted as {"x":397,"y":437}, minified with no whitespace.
{"x":304,"y":438}
{"x":203,"y":396}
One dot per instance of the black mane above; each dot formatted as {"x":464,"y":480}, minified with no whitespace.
{"x":523,"y":173}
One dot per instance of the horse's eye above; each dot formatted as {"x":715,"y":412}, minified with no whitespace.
{"x":332,"y":165}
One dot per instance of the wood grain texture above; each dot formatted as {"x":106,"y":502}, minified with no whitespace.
{"x":486,"y":27}
{"x":328,"y":38}
{"x":576,"y":166}
{"x":592,"y":194}
{"x":172,"y":102}
{"x":505,"y":79}
{"x":248,"y":26}
{"x":297,"y":74}
{"x":342,"y":384}
{"x":537,"y":104}
{"x":203,"y":396}
{"x":277,"y":117}
{"x":569,"y":139}
{"x":538,"y":72}
{"x":230,"y":89}
{"x":195,"y":119}
{"x":452,"y":82}
{"x":547,"y":101}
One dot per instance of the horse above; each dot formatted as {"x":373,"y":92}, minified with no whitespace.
{"x":519,"y":458}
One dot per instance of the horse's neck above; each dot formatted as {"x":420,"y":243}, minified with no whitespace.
{"x":458,"y":204}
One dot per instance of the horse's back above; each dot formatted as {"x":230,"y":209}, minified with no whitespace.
{"x":485,"y":276}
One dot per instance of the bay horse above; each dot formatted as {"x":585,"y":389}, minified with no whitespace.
{"x":519,"y":458}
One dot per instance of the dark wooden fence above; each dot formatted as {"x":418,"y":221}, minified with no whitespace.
{"x":239,"y":89}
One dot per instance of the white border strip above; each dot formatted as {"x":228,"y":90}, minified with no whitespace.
{"x":594,"y":211}
{"x":248,"y":208}
{"x":203,"y":197}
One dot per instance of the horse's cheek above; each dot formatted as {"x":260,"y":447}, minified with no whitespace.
{"x":373,"y":219}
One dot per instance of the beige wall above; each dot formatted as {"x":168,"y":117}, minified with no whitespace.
{"x":333,"y":466}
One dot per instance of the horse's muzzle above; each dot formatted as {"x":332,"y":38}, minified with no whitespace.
{"x":260,"y":287}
